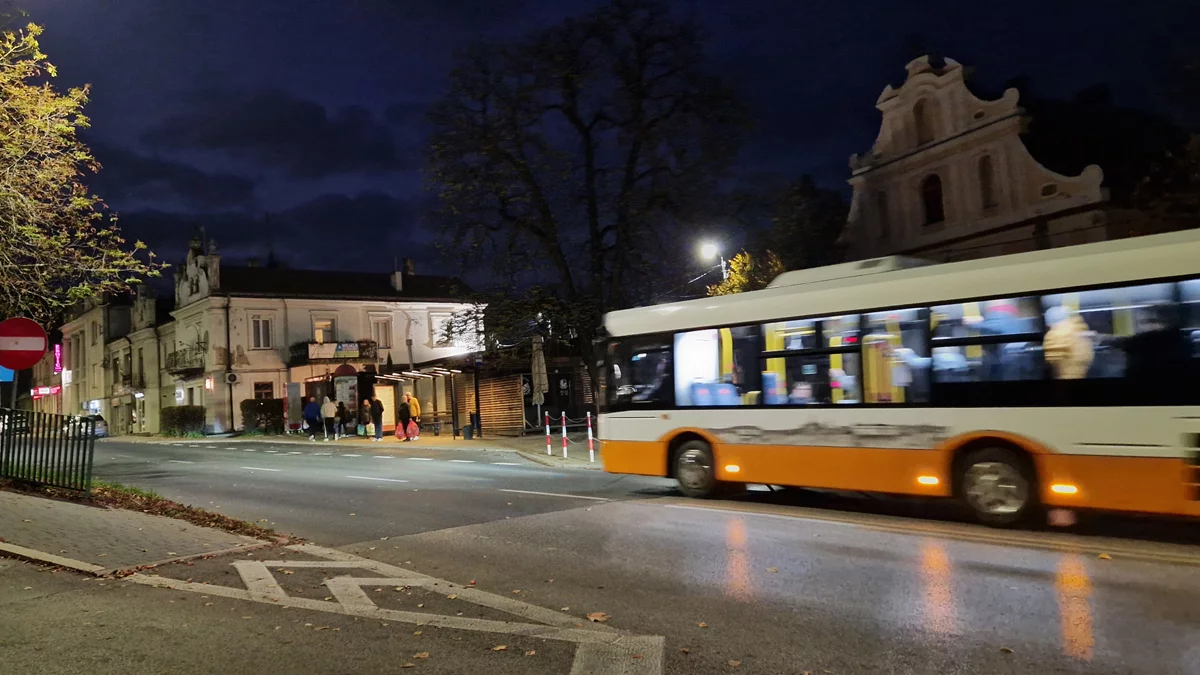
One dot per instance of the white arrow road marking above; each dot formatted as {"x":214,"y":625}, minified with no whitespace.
{"x":555,"y":494}
{"x":22,"y":344}
{"x":602,"y":650}
{"x":389,"y":480}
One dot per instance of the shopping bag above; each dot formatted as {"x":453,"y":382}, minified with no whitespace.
{"x":362,"y":430}
{"x":370,"y":428}
{"x":413,"y":430}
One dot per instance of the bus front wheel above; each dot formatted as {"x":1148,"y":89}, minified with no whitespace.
{"x":694,"y":470}
{"x":998,"y":486}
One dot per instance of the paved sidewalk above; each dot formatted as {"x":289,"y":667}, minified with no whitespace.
{"x":100,"y":540}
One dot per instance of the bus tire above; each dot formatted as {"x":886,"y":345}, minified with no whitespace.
{"x":695,"y":470}
{"x":998,"y":486}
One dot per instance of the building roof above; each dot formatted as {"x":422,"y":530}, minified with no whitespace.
{"x":292,"y":283}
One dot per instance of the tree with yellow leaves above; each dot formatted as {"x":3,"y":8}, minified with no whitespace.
{"x":57,"y":245}
{"x":748,"y":272}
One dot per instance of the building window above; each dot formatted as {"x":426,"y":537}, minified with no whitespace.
{"x":141,"y":365}
{"x":881,"y":210}
{"x":260,"y":333}
{"x":324,"y":330}
{"x":987,"y":181}
{"x":264,"y":390}
{"x":931,"y":198}
{"x":924,"y":116}
{"x":95,"y":332}
{"x":438,"y":323}
{"x":381,"y":332}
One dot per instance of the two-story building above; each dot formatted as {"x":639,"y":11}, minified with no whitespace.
{"x":949,"y":178}
{"x":243,"y":332}
{"x":86,"y":378}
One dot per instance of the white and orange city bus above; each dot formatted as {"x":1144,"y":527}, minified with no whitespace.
{"x":1058,"y":378}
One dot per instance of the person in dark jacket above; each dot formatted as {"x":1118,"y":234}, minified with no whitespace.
{"x":405,"y":415}
{"x":377,"y":417}
{"x":364,"y":413}
{"x":312,"y":417}
{"x":342,"y":419}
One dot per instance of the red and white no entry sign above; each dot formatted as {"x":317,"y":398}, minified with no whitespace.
{"x":22,"y":343}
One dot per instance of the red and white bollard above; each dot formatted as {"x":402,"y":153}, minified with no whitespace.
{"x":564,"y":429}
{"x":548,"y":450}
{"x":591,"y":443}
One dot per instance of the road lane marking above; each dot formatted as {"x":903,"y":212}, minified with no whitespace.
{"x":249,"y":450}
{"x":348,"y":455}
{"x":600,"y":649}
{"x":506,"y":463}
{"x":179,"y":461}
{"x":421,"y":459}
{"x":271,"y":451}
{"x":384,"y":457}
{"x":463,"y":461}
{"x":295,"y":452}
{"x":556,"y":494}
{"x":127,"y":456}
{"x":325,"y":454}
{"x":386,"y":480}
{"x":259,"y":468}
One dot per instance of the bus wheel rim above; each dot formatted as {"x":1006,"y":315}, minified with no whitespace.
{"x":693,"y":469}
{"x":995,"y":488}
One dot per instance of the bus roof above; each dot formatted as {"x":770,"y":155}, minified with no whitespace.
{"x":838,"y":290}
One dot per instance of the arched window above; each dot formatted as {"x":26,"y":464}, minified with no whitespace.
{"x":925,"y":117}
{"x":881,"y":212}
{"x":987,"y":181}
{"x":931,"y":197}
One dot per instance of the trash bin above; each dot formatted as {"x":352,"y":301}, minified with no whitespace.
{"x":468,"y":432}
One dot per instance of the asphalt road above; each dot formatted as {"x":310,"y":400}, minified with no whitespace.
{"x":757,"y":585}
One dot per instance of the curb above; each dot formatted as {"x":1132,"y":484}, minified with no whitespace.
{"x":32,"y":555}
{"x":558,"y":463}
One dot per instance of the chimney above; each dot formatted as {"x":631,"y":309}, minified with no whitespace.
{"x":410,"y":268}
{"x":398,"y":281}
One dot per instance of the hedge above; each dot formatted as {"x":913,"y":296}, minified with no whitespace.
{"x":263,"y":415}
{"x":182,"y":420}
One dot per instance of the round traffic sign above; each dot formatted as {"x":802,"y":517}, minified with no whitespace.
{"x":22,"y":343}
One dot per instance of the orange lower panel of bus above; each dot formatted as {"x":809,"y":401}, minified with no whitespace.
{"x":1151,"y":485}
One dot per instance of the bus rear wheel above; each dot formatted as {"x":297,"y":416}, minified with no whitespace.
{"x":695,"y":470}
{"x":998,"y":486}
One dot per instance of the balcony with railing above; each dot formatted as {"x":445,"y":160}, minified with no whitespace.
{"x":186,"y":361}
{"x":303,"y":353}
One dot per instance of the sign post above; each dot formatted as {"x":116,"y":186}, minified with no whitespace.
{"x":22,"y":344}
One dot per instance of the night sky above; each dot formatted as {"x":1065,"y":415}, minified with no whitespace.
{"x":217,"y":112}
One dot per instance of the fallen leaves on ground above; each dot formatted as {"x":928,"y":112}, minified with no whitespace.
{"x":566,"y":609}
{"x":638,"y":656}
{"x":247,"y":617}
{"x":409,"y":665}
{"x":734,"y":663}
{"x":417,"y":632}
{"x":452,"y":596}
{"x":684,"y":650}
{"x":701,"y":624}
{"x":531,"y":652}
{"x":516,"y":591}
{"x":1006,"y":650}
{"x":500,"y":648}
{"x":597,"y":617}
{"x":471,"y":582}
{"x":1104,"y":556}
{"x":421,"y":655}
{"x":773,"y":570}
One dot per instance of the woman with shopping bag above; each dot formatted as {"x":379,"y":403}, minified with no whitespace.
{"x":414,"y":409}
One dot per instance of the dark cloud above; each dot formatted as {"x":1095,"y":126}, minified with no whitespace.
{"x":332,"y":232}
{"x":275,"y":129}
{"x":130,"y":178}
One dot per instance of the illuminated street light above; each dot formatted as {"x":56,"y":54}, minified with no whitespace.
{"x":709,"y":250}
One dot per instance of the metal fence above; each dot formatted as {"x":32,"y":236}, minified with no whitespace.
{"x":47,"y":449}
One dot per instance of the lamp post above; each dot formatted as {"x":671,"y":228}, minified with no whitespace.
{"x":710,"y":250}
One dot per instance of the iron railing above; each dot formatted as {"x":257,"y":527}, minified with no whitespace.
{"x":47,"y":449}
{"x":185,"y":359}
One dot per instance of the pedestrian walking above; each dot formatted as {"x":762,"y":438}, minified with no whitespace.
{"x":328,"y":413}
{"x":342,"y":419}
{"x":414,"y":409}
{"x":404,"y":414}
{"x":377,"y":417}
{"x":312,"y":417}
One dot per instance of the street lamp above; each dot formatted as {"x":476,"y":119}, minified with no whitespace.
{"x":710,"y":250}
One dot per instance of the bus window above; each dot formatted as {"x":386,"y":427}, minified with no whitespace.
{"x":1190,"y":314}
{"x":1114,"y":333}
{"x":791,"y":335}
{"x":717,"y":367}
{"x":987,"y":341}
{"x":813,"y":379}
{"x":640,"y":374}
{"x":897,"y":357}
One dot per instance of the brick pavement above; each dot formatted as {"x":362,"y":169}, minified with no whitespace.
{"x":108,"y":538}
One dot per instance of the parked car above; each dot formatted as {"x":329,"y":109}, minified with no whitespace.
{"x":77,"y":426}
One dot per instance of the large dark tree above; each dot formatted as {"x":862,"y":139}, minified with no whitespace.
{"x":572,"y":161}
{"x":806,"y":224}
